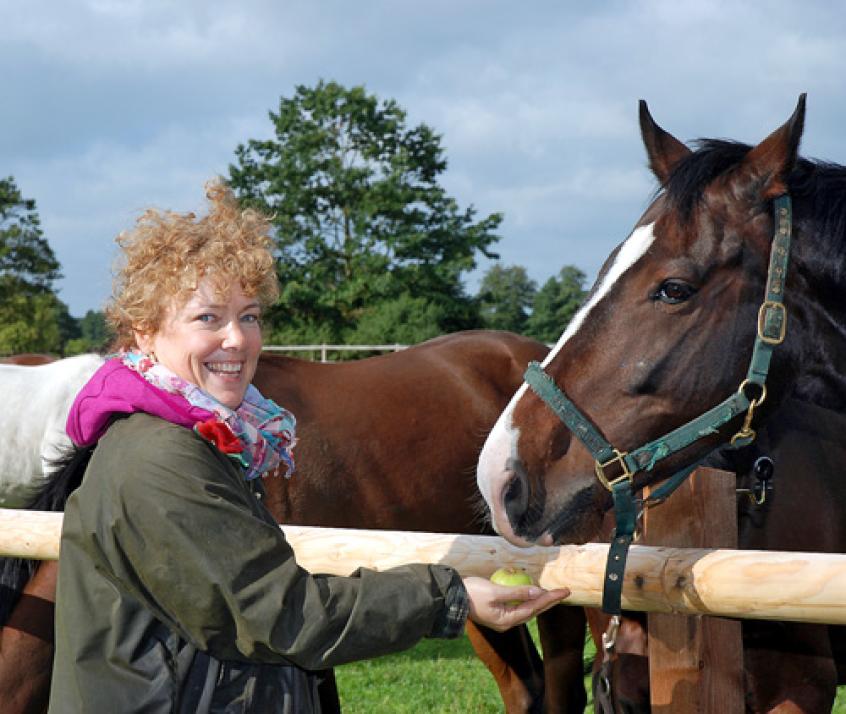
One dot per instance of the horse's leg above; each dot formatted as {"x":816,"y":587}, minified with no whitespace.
{"x":26,"y":646}
{"x":789,"y":667}
{"x":514,"y":662}
{"x":837,"y":637}
{"x":562,"y":635}
{"x":628,"y":675}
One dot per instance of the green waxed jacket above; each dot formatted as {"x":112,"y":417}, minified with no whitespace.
{"x":178,"y":592}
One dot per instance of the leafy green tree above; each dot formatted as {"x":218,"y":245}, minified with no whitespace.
{"x":404,"y":320}
{"x":358,"y":211}
{"x":505,"y":296}
{"x":92,"y":334}
{"x":556,"y":303}
{"x":27,"y":263}
{"x":32,"y":318}
{"x":30,"y":323}
{"x":296,"y":331}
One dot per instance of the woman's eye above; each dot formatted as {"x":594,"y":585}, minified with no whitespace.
{"x":673,"y":292}
{"x":206,"y":317}
{"x":251,"y":319}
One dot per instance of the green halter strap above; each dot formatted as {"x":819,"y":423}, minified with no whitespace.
{"x":772,"y":325}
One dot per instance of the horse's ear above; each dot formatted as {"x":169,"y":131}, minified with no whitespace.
{"x":766,"y":167}
{"x":663,"y":149}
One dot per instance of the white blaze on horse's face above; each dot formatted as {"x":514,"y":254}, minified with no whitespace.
{"x":493,"y":473}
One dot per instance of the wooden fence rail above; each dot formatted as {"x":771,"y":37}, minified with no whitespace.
{"x":767,"y":585}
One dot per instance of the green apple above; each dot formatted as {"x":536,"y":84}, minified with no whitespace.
{"x":511,"y":576}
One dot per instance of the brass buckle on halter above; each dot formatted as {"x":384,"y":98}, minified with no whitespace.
{"x":600,"y":470}
{"x":772,"y":314}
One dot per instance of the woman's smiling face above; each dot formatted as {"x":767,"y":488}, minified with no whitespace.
{"x":213,"y":342}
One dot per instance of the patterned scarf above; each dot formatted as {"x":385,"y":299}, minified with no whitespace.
{"x":259,"y":434}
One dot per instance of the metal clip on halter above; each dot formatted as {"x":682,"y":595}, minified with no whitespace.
{"x":609,"y":643}
{"x":619,"y":457}
{"x":609,"y":637}
{"x":746,"y":432}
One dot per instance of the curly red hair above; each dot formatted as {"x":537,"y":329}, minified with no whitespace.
{"x":166,"y":255}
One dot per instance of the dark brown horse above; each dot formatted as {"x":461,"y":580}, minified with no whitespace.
{"x":795,"y":460}
{"x":667,"y":334}
{"x":387,"y":442}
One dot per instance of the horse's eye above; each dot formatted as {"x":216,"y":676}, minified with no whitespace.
{"x":673,"y":292}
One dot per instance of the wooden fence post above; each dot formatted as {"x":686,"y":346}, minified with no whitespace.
{"x":695,"y":663}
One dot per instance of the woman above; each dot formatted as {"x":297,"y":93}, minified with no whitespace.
{"x":177,"y":590}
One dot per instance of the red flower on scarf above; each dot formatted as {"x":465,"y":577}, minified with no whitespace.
{"x":145,"y":364}
{"x":219,"y":434}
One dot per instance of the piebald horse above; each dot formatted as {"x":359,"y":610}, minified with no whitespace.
{"x":36,"y":400}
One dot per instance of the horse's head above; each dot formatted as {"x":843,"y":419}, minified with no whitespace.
{"x":666,"y":334}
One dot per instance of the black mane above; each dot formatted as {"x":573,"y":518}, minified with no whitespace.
{"x":818,"y":189}
{"x":689,"y":179}
{"x":819,"y":192}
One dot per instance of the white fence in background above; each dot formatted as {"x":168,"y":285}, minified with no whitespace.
{"x":324,"y":349}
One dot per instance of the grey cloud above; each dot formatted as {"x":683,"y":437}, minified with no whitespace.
{"x":113,"y":105}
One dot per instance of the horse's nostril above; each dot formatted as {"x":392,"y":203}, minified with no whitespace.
{"x":516,"y":496}
{"x":514,"y":491}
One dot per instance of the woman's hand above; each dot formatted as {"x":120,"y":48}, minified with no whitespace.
{"x":494,"y":605}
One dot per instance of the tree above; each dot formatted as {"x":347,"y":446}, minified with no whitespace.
{"x":30,"y":323}
{"x":27,"y":263}
{"x":92,"y":334}
{"x":505,"y":296}
{"x":32,"y":318}
{"x":402,"y":320}
{"x":358,"y":213}
{"x":556,"y":303}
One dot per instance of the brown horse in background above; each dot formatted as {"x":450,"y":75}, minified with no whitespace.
{"x":386,"y":442}
{"x":392,"y":442}
{"x":28,"y":359}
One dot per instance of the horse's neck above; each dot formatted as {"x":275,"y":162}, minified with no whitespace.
{"x":816,"y":319}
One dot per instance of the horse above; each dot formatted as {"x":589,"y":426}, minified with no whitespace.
{"x":380,"y":422}
{"x":373,"y":451}
{"x":798,"y":451}
{"x":28,"y":359}
{"x":36,"y":400}
{"x":693,"y":308}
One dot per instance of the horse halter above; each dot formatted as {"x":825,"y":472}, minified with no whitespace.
{"x":772,"y":325}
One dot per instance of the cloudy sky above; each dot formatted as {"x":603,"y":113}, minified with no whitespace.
{"x":110,"y":106}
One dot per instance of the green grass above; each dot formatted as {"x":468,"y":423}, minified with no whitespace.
{"x":437,"y":677}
